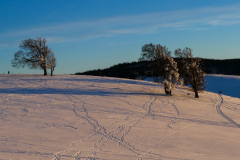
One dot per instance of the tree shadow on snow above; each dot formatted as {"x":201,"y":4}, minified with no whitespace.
{"x":72,"y":91}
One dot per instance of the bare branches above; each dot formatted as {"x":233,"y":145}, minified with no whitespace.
{"x":185,"y":53}
{"x":156,"y":54}
{"x":35,"y":54}
{"x":163,"y":66}
{"x":152,"y":52}
{"x":190,"y":70}
{"x":51,"y":62}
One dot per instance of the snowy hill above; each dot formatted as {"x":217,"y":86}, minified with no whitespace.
{"x":85,"y":117}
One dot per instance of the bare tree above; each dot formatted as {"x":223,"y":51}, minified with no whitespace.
{"x":35,"y":54}
{"x":190,"y":70}
{"x":163,"y":66}
{"x":155,"y":55}
{"x":51,"y":62}
{"x":171,"y":74}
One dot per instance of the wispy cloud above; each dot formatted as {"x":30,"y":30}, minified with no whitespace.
{"x":56,"y":39}
{"x":194,"y":19}
{"x":3,"y":45}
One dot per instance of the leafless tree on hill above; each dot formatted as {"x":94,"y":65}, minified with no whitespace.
{"x":35,"y":54}
{"x":154,"y":54}
{"x":190,"y":70}
{"x":163,"y":66}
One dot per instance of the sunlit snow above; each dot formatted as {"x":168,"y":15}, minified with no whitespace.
{"x":86,"y":117}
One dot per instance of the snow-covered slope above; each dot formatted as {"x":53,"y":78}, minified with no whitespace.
{"x":228,"y":84}
{"x":84,"y":117}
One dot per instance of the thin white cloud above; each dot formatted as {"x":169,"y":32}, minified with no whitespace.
{"x":51,"y":39}
{"x":194,"y":19}
{"x":3,"y":45}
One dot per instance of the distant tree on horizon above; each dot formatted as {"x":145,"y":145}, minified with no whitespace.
{"x":190,"y":70}
{"x":35,"y":54}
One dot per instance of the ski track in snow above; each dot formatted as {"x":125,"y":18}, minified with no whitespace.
{"x":222,"y":114}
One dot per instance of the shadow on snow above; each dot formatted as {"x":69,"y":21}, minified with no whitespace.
{"x":72,"y":91}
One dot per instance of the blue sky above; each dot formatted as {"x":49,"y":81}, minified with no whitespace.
{"x":94,"y":34}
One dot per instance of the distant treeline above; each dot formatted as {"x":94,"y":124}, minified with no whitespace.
{"x":138,"y":70}
{"x":226,"y":66}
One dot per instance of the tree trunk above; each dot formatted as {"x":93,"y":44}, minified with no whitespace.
{"x":196,"y":94}
{"x":165,"y":88}
{"x":51,"y":72}
{"x":45,"y":71}
{"x":167,"y":92}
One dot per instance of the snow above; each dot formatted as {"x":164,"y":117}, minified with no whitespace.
{"x":228,"y":84}
{"x":86,"y":117}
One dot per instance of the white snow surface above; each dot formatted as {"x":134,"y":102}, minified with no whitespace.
{"x":228,"y":84}
{"x":85,"y":117}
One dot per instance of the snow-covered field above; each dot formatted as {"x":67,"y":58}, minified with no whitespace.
{"x":84,"y":117}
{"x":228,"y":84}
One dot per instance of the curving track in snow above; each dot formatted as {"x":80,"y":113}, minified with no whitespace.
{"x":223,"y":115}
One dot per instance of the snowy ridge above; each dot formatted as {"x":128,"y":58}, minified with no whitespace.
{"x":224,"y":76}
{"x":86,"y":117}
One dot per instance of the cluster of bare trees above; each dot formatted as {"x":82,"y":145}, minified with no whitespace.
{"x":167,"y":71}
{"x":35,"y":54}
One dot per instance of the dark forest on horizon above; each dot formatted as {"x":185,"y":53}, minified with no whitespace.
{"x":136,"y":70}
